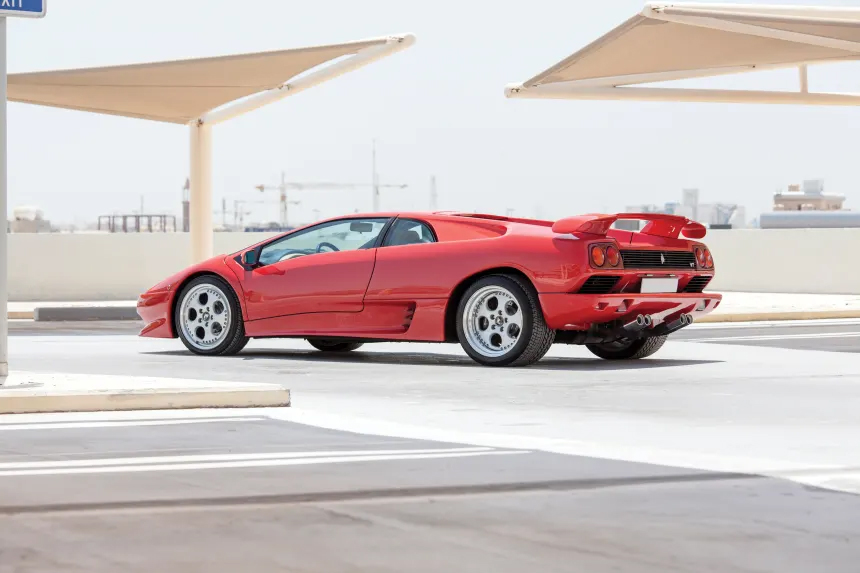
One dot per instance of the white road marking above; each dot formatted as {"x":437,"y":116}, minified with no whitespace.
{"x":816,"y":474}
{"x":9,"y":427}
{"x":771,"y":324}
{"x":195,"y":458}
{"x":777,"y":337}
{"x":283,"y":459}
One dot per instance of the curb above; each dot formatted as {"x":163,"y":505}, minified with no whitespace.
{"x":776,"y":316}
{"x":82,"y":313}
{"x":31,"y":402}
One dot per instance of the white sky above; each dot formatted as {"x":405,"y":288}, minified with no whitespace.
{"x":437,"y":108}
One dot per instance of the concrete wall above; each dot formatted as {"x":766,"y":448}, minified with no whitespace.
{"x":72,"y":267}
{"x":54,"y":267}
{"x":816,"y":261}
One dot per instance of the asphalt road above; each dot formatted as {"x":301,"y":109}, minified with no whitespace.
{"x":251,"y":493}
{"x":733,"y":449}
{"x":827,"y":335}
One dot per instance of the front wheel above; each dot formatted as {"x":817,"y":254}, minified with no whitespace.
{"x":330,"y":346}
{"x":208,"y":318}
{"x":500,"y":322}
{"x":628,"y":349}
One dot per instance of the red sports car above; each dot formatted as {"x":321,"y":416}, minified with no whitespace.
{"x":507,"y":289}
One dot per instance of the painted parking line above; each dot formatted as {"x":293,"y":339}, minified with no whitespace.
{"x":771,"y":324}
{"x":226,"y":461}
{"x":810,"y":335}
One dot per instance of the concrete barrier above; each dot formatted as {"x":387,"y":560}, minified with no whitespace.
{"x":92,"y":267}
{"x":814,"y":261}
{"x":84,"y":313}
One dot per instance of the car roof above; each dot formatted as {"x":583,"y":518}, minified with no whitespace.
{"x":451,"y":215}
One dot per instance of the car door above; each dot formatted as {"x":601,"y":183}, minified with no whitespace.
{"x":324,"y":268}
{"x":408,"y":266}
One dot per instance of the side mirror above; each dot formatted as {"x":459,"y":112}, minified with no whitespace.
{"x":249,"y":258}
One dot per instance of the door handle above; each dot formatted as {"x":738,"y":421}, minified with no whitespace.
{"x":270,"y":270}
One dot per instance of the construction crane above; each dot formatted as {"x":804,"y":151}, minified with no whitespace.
{"x":239,"y":212}
{"x":321,"y":185}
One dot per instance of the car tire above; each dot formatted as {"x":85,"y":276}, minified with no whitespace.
{"x":518,"y":334}
{"x":331,"y":346}
{"x":630,"y":350}
{"x":208,"y":318}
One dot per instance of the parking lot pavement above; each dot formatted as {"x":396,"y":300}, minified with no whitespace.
{"x":244,"y":490}
{"x":582,"y":464}
{"x":822,"y":335}
{"x":840,"y":335}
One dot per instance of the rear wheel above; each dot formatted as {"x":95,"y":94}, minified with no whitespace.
{"x":208,"y":318}
{"x":628,"y":349}
{"x":500,"y":322}
{"x":333,"y":346}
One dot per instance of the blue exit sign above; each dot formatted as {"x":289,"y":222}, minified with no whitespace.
{"x":26,"y":8}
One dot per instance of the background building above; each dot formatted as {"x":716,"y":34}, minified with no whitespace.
{"x":809,"y":197}
{"x":29,"y":219}
{"x":712,"y":215}
{"x":808,"y":206}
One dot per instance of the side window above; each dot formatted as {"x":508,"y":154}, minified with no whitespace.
{"x":409,"y":232}
{"x":347,"y":235}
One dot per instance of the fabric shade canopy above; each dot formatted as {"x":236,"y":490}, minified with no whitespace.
{"x":673,"y":41}
{"x":174,"y":91}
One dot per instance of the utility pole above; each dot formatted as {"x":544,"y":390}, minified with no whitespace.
{"x":375,"y":179}
{"x":433,"y":196}
{"x":239,"y":213}
{"x":186,"y":209}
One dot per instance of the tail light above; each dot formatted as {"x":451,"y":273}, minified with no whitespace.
{"x":700,"y":257}
{"x":598,"y":256}
{"x":704,"y":258}
{"x":613,"y":257}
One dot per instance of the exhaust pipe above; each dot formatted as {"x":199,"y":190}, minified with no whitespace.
{"x":677,"y":324}
{"x":642,"y":322}
{"x":634,"y":327}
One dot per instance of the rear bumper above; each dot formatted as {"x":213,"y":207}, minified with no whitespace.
{"x":564,"y":311}
{"x":153,"y":307}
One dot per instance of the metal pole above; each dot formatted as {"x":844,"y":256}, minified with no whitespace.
{"x":4,"y":290}
{"x":283,"y":189}
{"x":201,"y":192}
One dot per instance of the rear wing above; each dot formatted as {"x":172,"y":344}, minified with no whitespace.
{"x":659,"y":224}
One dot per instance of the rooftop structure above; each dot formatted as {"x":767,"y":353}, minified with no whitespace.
{"x":809,"y":197}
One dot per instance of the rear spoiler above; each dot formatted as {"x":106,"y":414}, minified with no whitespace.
{"x":659,"y":224}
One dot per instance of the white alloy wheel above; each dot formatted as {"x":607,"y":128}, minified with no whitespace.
{"x":492,"y":321}
{"x":205,"y":316}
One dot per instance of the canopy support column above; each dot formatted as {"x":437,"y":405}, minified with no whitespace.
{"x":200,"y":200}
{"x":803,"y":71}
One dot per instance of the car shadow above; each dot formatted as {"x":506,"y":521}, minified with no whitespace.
{"x":433,"y":359}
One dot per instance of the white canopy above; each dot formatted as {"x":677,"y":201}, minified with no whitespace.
{"x":674,"y":41}
{"x":201,"y":93}
{"x":181,"y":91}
